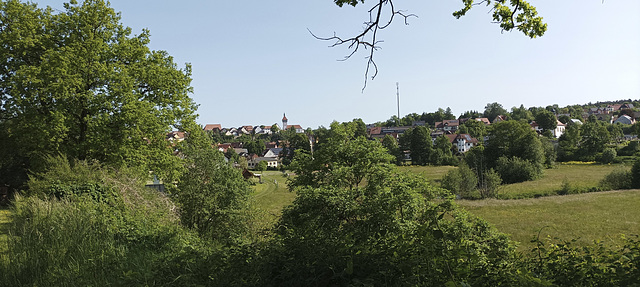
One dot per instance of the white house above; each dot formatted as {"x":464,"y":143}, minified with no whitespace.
{"x":462,"y":142}
{"x":272,"y":162}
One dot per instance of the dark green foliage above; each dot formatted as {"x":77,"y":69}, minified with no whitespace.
{"x":547,"y":120}
{"x":608,"y":155}
{"x":521,"y":114}
{"x":549,"y":150}
{"x":635,"y":174}
{"x":476,"y":129}
{"x":489,"y":184}
{"x":442,"y":152}
{"x":420,"y":145}
{"x":261,"y":166}
{"x":619,"y":178}
{"x":212,"y":195}
{"x":564,"y":119}
{"x":514,"y":142}
{"x":391,"y":144}
{"x":335,"y":236}
{"x":128,"y":236}
{"x":630,"y":149}
{"x":595,"y":136}
{"x":565,"y":264}
{"x":515,"y":169}
{"x":493,"y":110}
{"x":342,"y":159}
{"x":569,"y":142}
{"x":461,"y":181}
{"x":78,"y":83}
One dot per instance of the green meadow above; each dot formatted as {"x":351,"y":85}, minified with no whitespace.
{"x":579,"y":176}
{"x":586,"y":217}
{"x":272,"y":195}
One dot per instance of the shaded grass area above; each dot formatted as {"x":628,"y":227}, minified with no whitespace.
{"x":587,"y":217}
{"x":272,"y":195}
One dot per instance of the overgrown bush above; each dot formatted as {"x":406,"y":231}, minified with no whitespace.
{"x":461,"y":181}
{"x":563,"y":263}
{"x":113,"y":231}
{"x":635,"y":174}
{"x":489,"y":184}
{"x":619,"y":178}
{"x":608,"y":155}
{"x":401,"y":233}
{"x":515,"y":169}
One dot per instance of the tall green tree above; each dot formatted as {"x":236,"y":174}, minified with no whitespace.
{"x":521,"y":114}
{"x":344,"y":159}
{"x":514,"y":142}
{"x":391,"y":144}
{"x":420,"y":145}
{"x":212,"y":195}
{"x":476,"y":129}
{"x":493,"y":110}
{"x":595,"y":137}
{"x":80,"y":84}
{"x":547,"y":120}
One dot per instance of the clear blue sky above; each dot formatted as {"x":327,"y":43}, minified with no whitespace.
{"x":253,"y":61}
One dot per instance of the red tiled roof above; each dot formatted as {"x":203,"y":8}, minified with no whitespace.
{"x":210,"y":127}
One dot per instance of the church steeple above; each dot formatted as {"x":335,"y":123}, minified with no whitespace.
{"x":284,"y":121}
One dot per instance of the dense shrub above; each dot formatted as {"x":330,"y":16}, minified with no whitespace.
{"x":563,"y":263}
{"x":489,"y":184}
{"x":113,"y":231}
{"x":404,"y":233}
{"x":619,"y":178}
{"x":635,"y":174}
{"x":514,"y":169}
{"x":461,"y":181}
{"x":608,"y":155}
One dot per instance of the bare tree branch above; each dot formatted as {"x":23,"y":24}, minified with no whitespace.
{"x":368,"y":38}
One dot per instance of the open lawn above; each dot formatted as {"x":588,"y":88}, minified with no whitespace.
{"x":579,"y":176}
{"x":433,"y":173}
{"x":272,"y":195}
{"x":586,"y":217}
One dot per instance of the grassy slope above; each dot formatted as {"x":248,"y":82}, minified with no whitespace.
{"x":591,"y":216}
{"x":272,"y":197}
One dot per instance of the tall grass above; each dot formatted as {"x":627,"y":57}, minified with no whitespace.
{"x":126,"y":236}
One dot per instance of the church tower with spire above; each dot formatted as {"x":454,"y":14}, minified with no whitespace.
{"x":284,"y":122}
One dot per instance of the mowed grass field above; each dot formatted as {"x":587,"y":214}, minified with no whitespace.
{"x":272,"y":195}
{"x":586,"y":217}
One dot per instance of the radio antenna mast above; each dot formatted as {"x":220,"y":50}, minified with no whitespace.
{"x":398,"y":97}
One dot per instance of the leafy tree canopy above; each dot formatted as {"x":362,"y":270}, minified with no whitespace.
{"x":80,"y":84}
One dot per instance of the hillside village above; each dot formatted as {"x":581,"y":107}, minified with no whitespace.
{"x":622,"y":113}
